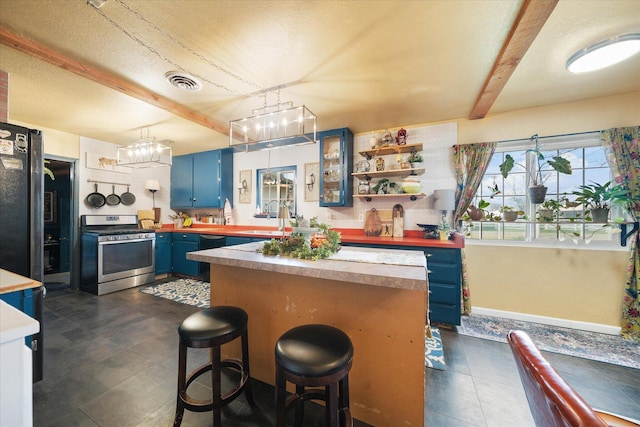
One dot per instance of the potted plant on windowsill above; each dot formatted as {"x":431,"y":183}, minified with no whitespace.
{"x":598,"y":198}
{"x":476,"y":213}
{"x":509,"y":214}
{"x":537,"y":189}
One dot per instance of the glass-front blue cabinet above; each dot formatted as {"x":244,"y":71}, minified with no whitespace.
{"x":336,"y":164}
{"x":202,"y":180}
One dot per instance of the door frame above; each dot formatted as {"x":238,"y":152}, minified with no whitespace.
{"x":74,"y":212}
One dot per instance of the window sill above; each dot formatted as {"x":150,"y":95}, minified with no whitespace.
{"x":551,"y":244}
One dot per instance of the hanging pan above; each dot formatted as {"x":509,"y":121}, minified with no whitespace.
{"x":127,"y":198}
{"x":113,"y":199}
{"x":95,"y":199}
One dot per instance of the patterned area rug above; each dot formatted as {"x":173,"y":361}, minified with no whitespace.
{"x":433,"y":351}
{"x":573,"y":342}
{"x":195,"y":292}
{"x":185,"y":291}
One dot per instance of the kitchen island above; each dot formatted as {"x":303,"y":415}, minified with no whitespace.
{"x":378,"y":297}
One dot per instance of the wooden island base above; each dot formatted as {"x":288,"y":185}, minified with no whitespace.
{"x":386,"y":326}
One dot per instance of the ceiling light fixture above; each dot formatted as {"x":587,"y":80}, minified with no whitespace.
{"x":144,"y":153}
{"x":96,"y":3}
{"x":604,"y":53}
{"x":276,"y":125}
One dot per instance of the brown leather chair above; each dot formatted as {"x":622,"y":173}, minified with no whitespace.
{"x":553,"y":402}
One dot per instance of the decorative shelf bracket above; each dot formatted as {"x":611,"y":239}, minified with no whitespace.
{"x":624,"y":235}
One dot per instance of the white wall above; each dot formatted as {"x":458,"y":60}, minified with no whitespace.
{"x":135,"y":178}
{"x":439,"y":174}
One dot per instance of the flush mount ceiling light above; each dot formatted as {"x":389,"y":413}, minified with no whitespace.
{"x":604,"y":53}
{"x":144,"y":153}
{"x":273,"y":126}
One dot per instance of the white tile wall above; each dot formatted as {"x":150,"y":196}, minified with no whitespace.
{"x":135,"y":178}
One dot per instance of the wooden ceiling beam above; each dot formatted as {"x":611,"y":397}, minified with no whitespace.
{"x":111,"y":81}
{"x":531,"y":18}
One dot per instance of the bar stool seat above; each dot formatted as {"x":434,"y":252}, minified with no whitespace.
{"x":314,"y":356}
{"x":211,"y":328}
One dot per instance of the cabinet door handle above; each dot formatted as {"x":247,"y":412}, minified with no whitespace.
{"x":429,"y":271}
{"x":428,"y":255}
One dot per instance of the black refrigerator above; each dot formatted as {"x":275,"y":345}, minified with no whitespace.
{"x":21,"y":222}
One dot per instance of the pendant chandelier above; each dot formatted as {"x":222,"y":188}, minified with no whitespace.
{"x":275,"y":126}
{"x":144,"y":153}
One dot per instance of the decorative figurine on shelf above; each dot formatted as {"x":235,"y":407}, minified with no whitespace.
{"x":402,"y":137}
{"x":373,"y":141}
{"x":364,"y":166}
{"x":364,"y":187}
{"x":387,"y":138}
{"x":380,"y":164}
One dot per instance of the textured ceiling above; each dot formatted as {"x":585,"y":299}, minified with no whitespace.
{"x":367,"y":65}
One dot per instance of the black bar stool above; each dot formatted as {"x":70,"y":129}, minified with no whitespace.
{"x":314,"y":356}
{"x":211,"y":328}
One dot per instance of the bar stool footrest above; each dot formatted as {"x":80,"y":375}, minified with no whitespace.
{"x":197,"y":405}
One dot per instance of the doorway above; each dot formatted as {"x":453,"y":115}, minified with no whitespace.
{"x":59,"y":223}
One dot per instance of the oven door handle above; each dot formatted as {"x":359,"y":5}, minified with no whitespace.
{"x":112,"y":242}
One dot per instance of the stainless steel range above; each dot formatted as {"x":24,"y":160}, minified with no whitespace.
{"x":116,"y":254}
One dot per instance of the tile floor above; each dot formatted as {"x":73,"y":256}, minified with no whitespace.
{"x":111,"y":361}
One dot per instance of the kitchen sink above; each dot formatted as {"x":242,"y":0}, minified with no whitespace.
{"x":263,"y":232}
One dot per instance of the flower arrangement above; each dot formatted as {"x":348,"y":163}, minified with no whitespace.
{"x":322,"y":244}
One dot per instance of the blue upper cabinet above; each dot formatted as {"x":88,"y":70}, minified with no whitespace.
{"x":336,"y":164}
{"x":202,"y":180}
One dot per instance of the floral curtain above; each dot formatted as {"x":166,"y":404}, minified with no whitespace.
{"x":622,"y":147}
{"x":471,"y":161}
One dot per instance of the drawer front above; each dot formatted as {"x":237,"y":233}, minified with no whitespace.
{"x":441,"y":256}
{"x":444,"y":273}
{"x":444,"y":313}
{"x":443,"y":293}
{"x":186,"y":237}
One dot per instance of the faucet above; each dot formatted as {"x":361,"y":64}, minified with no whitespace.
{"x":269,"y":209}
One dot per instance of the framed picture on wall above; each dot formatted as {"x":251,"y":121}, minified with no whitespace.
{"x":50,"y":207}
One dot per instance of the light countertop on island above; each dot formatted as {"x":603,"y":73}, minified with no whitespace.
{"x":402,"y":269}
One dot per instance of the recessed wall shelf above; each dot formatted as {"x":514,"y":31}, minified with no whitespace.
{"x":390,"y":149}
{"x":410,"y":196}
{"x":398,"y":172}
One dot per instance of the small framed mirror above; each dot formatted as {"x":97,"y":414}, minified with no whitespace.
{"x":276,"y":187}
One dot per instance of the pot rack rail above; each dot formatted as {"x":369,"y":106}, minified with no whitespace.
{"x":109,"y":182}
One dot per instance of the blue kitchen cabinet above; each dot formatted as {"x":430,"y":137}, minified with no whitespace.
{"x":163,"y":253}
{"x":181,"y":244}
{"x":202,"y":180}
{"x":444,"y":266}
{"x":23,"y":301}
{"x":336,"y":165}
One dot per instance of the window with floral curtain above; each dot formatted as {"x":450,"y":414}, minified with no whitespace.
{"x":471,"y":161}
{"x":622,"y":145}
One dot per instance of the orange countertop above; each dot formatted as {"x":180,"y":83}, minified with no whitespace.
{"x":348,"y":235}
{"x":11,"y":282}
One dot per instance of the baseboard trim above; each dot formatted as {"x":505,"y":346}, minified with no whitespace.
{"x":552,"y":321}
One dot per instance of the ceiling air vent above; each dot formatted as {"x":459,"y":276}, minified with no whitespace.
{"x":183,"y":81}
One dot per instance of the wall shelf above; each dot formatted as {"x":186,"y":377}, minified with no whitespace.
{"x":392,"y":172}
{"x":410,"y":196}
{"x":391,"y":149}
